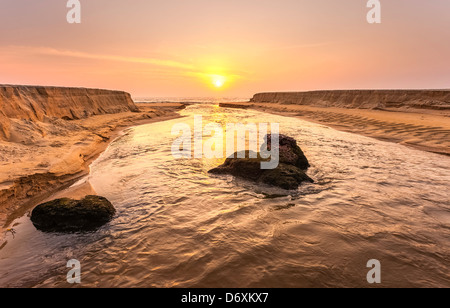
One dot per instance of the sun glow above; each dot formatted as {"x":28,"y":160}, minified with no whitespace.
{"x":218,"y":81}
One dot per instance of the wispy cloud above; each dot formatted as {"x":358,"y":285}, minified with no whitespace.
{"x":154,"y":65}
{"x":27,"y":50}
{"x":84,"y":55}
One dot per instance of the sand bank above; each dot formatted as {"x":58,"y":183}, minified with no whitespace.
{"x":45,"y":154}
{"x":424,"y":129}
{"x":396,"y":100}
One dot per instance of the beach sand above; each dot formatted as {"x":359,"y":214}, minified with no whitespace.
{"x":427,"y":130}
{"x":36,"y":170}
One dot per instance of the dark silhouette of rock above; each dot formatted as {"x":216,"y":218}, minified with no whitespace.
{"x":285,"y":176}
{"x":289,"y":174}
{"x":290,"y":152}
{"x":249,"y":168}
{"x":68,"y":215}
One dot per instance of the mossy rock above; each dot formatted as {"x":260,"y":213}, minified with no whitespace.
{"x":68,"y":215}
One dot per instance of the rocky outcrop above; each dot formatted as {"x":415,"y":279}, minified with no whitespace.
{"x":38,"y":103}
{"x":364,"y":99}
{"x":289,"y":174}
{"x":67,"y":215}
{"x":289,"y":152}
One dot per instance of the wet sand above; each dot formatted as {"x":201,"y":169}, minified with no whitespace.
{"x":427,"y":130}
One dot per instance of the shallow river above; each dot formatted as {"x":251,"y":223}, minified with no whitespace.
{"x":177,"y":226}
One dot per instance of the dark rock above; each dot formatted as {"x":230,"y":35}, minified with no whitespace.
{"x":285,"y":176}
{"x":249,"y":168}
{"x":68,"y":215}
{"x":289,"y":174}
{"x":290,"y":152}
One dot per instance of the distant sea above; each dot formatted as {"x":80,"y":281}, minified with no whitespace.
{"x":202,"y":100}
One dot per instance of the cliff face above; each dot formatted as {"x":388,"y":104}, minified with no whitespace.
{"x":5,"y":125}
{"x":364,"y":99}
{"x":36,"y":103}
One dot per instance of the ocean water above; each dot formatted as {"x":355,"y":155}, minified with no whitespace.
{"x":197,"y":100}
{"x":178,"y":226}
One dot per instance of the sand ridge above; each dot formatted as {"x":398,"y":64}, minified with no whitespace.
{"x":428,"y":130}
{"x":396,"y":100}
{"x":33,"y":104}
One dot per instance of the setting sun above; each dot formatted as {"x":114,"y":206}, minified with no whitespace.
{"x":218,"y":81}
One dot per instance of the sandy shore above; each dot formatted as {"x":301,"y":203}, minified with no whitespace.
{"x":427,"y":130}
{"x":34,"y":171}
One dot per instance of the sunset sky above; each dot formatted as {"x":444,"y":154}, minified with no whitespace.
{"x":174,"y":48}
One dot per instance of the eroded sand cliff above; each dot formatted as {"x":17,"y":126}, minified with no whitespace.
{"x":416,"y":118}
{"x":28,"y":103}
{"x":49,"y":136}
{"x":362,"y":99}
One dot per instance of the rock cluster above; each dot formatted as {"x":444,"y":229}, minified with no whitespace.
{"x":289,"y":174}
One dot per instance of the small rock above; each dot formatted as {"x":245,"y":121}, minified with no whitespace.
{"x":290,"y":152}
{"x":68,"y":215}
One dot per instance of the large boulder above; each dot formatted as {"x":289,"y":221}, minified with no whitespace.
{"x":289,"y":174}
{"x":68,"y":215}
